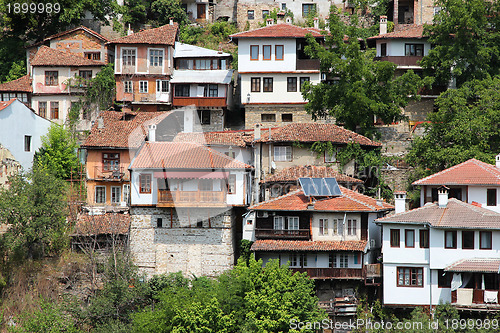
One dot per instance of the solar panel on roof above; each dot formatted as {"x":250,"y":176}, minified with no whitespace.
{"x":320,"y":187}
{"x":333,"y":186}
{"x":308,"y":187}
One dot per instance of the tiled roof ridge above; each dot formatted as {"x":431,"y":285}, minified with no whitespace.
{"x":296,"y":192}
{"x":146,"y":32}
{"x":345,"y":192}
{"x":406,"y":212}
{"x":268,"y":27}
{"x":395,"y":34}
{"x":20,"y":81}
{"x":90,"y":31}
{"x":480,"y":210}
{"x":256,"y":29}
{"x":486,"y":167}
{"x":44,"y":50}
{"x":303,"y":171}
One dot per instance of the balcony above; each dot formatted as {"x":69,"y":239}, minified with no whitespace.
{"x":404,"y":61}
{"x":168,"y":198}
{"x":117,"y":175}
{"x":219,"y":102}
{"x":307,"y":64}
{"x":332,"y":273}
{"x":282,"y":234}
{"x":477,"y":300}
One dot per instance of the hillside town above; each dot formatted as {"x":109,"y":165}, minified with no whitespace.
{"x":251,"y":166}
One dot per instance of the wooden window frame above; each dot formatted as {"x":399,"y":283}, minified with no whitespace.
{"x":481,"y":246}
{"x":231,"y":184}
{"x":322,"y":229}
{"x":27,"y":143}
{"x":276,"y":52}
{"x":145,"y":179}
{"x":410,"y":285}
{"x":391,"y":232}
{"x":291,"y":84}
{"x":128,"y":87}
{"x":252,"y":47}
{"x":119,"y":196}
{"x":264,"y":47}
{"x":491,"y":197}
{"x":407,"y":231}
{"x":286,"y":155}
{"x":454,"y":234}
{"x":473,"y":240}
{"x":269,"y":84}
{"x":143,"y":84}
{"x":54,"y":110}
{"x":255,"y":84}
{"x":95,"y":194}
{"x":420,"y":237}
{"x":42,"y":111}
{"x":51,"y":78}
{"x":352,"y":227}
{"x":107,"y":164}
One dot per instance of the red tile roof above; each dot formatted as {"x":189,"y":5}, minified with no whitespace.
{"x":295,"y":172}
{"x":457,"y":214}
{"x":165,"y":35}
{"x":46,"y":56}
{"x":122,"y":129}
{"x":286,"y":245}
{"x":90,"y":31}
{"x":349,"y":201}
{"x":108,"y":223}
{"x":471,"y":172}
{"x":3,"y":105}
{"x":182,"y":155}
{"x":477,"y":265}
{"x":412,"y":32}
{"x":213,"y":138}
{"x":23,"y":84}
{"x":282,"y":30}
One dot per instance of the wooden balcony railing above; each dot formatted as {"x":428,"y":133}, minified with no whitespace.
{"x":200,"y":101}
{"x":277,"y":234}
{"x":168,"y":198}
{"x":477,"y":297}
{"x":117,"y":174}
{"x":401,"y":60}
{"x":332,"y":273}
{"x":307,"y":64}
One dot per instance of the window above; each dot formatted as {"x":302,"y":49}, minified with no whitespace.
{"x":144,"y":183}
{"x":213,"y":90}
{"x":51,"y":78}
{"x":181,"y":90}
{"x":424,"y":238}
{"x":231,"y":184}
{"x":250,"y":15}
{"x":185,"y":64}
{"x":255,"y":84}
{"x":282,"y":153}
{"x":278,"y":52}
{"x":491,"y":197}
{"x":266,"y":52}
{"x":115,"y":194}
{"x":92,"y":55}
{"x":283,"y":6}
{"x":128,"y":88}
{"x":331,"y":157}
{"x":231,"y":154}
{"x":162,"y":86}
{"x":450,"y":239}
{"x":204,"y":116}
{"x":414,"y":49}
{"x":444,"y":279}
{"x":410,"y":276}
{"x":54,"y":110}
{"x":254,"y":52}
{"x":395,"y":238}
{"x":265,"y":13}
{"x":27,"y":143}
{"x":303,"y":260}
{"x":205,"y":185}
{"x":223,"y":64}
{"x":126,"y":193}
{"x":279,"y":223}
{"x":383,"y":49}
{"x":155,"y":57}
{"x":268,"y":117}
{"x":343,"y":260}
{"x":287,"y":117}
{"x":356,"y":258}
{"x":268,"y":84}
{"x":215,"y":64}
{"x":42,"y":109}
{"x":409,"y":238}
{"x":110,"y":162}
{"x":293,"y":223}
{"x":468,"y":240}
{"x":159,"y":222}
{"x":100,"y":194}
{"x":308,"y":8}
{"x":202,"y":63}
{"x":128,"y":57}
{"x":303,"y":80}
{"x":352,"y":227}
{"x":291,"y":84}
{"x":332,"y":260}
{"x":293,"y":260}
{"x":485,"y":240}
{"x":86,"y":75}
{"x":436,"y":10}
{"x":143,"y":86}
{"x":323,"y":226}
{"x":340,"y":227}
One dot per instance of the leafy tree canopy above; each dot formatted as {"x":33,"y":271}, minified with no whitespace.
{"x":359,"y":88}
{"x":154,"y":12}
{"x":466,"y":39}
{"x":465,"y":126}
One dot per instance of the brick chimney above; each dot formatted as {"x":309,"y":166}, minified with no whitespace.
{"x":400,"y":201}
{"x":443,"y":196}
{"x":383,"y":24}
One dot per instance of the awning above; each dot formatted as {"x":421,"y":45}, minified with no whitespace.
{"x":202,"y":76}
{"x":191,"y":175}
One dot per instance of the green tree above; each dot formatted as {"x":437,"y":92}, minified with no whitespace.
{"x":466,"y":39}
{"x":34,"y":206}
{"x":154,"y":12}
{"x":361,"y":88}
{"x":465,"y":126}
{"x":58,"y":154}
{"x":17,"y":70}
{"x":163,"y":10}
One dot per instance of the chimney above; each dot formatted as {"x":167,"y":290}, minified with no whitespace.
{"x":256,"y":132}
{"x":400,"y":201}
{"x":129,"y":31}
{"x":383,"y":24}
{"x":288,"y":20}
{"x":100,"y":123}
{"x":171,"y":22}
{"x":219,"y":51}
{"x":152,"y":133}
{"x":316,"y":23}
{"x":443,"y":196}
{"x":269,"y":22}
{"x":497,"y":161}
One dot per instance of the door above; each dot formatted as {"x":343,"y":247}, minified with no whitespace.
{"x":201,"y":11}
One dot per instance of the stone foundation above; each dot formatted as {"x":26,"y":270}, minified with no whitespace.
{"x":253,"y":115}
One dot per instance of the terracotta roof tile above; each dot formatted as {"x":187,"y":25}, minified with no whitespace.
{"x":471,"y":172}
{"x":46,"y":56}
{"x":165,"y":35}
{"x":181,"y":155}
{"x":90,"y":31}
{"x":23,"y":84}
{"x":295,"y":172}
{"x":349,"y":201}
{"x":478,"y":265}
{"x":122,"y":129}
{"x":412,"y":32}
{"x":457,"y":214}
{"x":287,"y":245}
{"x":213,"y":138}
{"x":282,"y":30}
{"x":108,"y":223}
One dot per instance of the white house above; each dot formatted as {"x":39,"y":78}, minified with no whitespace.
{"x":21,"y":131}
{"x":472,"y":181}
{"x":446,"y":251}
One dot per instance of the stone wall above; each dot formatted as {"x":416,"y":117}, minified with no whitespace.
{"x":253,"y":115}
{"x":226,"y":9}
{"x":257,"y":7}
{"x":216,"y":121}
{"x":181,"y":244}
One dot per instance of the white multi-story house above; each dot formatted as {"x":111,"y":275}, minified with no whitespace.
{"x":472,"y":181}
{"x":273,"y":66}
{"x":446,"y":251}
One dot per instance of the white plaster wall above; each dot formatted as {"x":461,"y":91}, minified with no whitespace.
{"x":396,"y":48}
{"x":64,"y":105}
{"x":332,"y":235}
{"x":479,"y":195}
{"x":249,"y":227}
{"x":402,"y":254}
{"x":405,"y":295}
{"x":240,"y":154}
{"x":287,"y":64}
{"x":374,"y":231}
{"x":238,"y":198}
{"x":137,"y":198}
